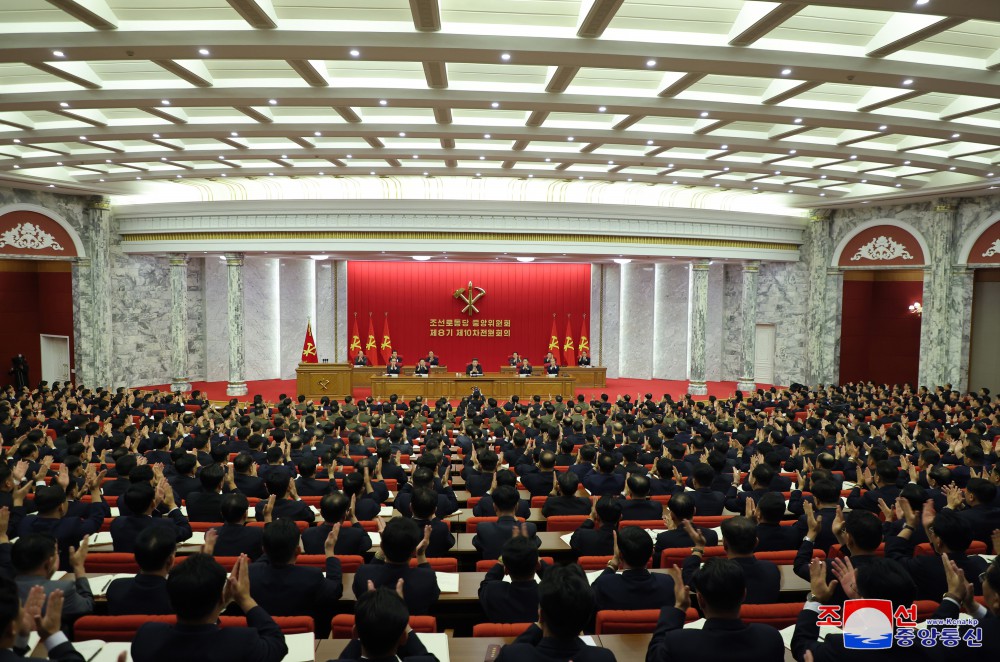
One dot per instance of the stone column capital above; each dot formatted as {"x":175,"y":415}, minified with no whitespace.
{"x":834,"y":271}
{"x":751,"y":266}
{"x":82,"y":262}
{"x":99,"y":202}
{"x":178,"y":259}
{"x":234,"y":259}
{"x":701,"y":265}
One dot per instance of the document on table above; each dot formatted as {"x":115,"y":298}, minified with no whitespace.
{"x":566,"y":538}
{"x":786,"y":633}
{"x":436,"y":644}
{"x":447,"y":581}
{"x":385,"y":511}
{"x":301,"y":647}
{"x":375,"y":537}
{"x":99,"y":585}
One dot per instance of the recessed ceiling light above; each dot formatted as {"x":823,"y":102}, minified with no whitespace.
{"x":790,"y":191}
{"x":548,"y":159}
{"x":864,"y":181}
{"x":482,"y":158}
{"x":922,"y":2}
{"x":100,"y":180}
{"x":355,"y":52}
{"x":273,"y":102}
{"x":372,"y":172}
{"x":58,"y":53}
{"x":383,"y":102}
{"x":621,"y":260}
{"x":580,"y":177}
{"x":479,"y":174}
{"x":717,"y":186}
{"x":203,"y":51}
{"x":674,"y":182}
{"x":908,"y":81}
{"x":883,"y":127}
{"x":321,"y":172}
{"x":725,"y":147}
{"x":704,"y":113}
{"x":777,"y":172}
{"x":530,"y":176}
{"x":629,"y":179}
{"x":107,"y":160}
{"x":611,"y":162}
{"x":156,"y":135}
{"x":495,"y":104}
{"x":64,"y":104}
{"x":670,"y":165}
{"x":487,"y":136}
{"x":83,"y":138}
{"x":234,"y":134}
{"x":649,"y":142}
{"x":317,"y":133}
{"x":53,"y":185}
{"x":726,"y":169}
{"x":165,"y":102}
{"x":402,"y":134}
{"x":416,"y":156}
{"x":650,"y":63}
{"x":956,"y":135}
{"x":138,"y":177}
{"x":224,"y":175}
{"x":284,"y":156}
{"x":425,"y":174}
{"x":756,"y":187}
{"x":222,"y":158}
{"x":17,"y":167}
{"x":570,"y":138}
{"x":798,"y":120}
{"x":899,"y":185}
{"x":163,"y":158}
{"x":854,"y":157}
{"x":602,"y":109}
{"x":786,"y":72}
{"x":906,"y":163}
{"x":270,"y":174}
{"x":17,"y":140}
{"x":793,"y":151}
{"x":178,"y":176}
{"x":822,"y":176}
{"x":989,"y":174}
{"x":505,"y":57}
{"x":865,"y":202}
{"x":525,"y":259}
{"x":951,"y":168}
{"x":350,"y":156}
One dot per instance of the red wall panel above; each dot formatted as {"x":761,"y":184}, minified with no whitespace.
{"x":414,"y":293}
{"x":880,"y":337}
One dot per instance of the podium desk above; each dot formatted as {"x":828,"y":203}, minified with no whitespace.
{"x":492,"y":385}
{"x":596,"y":377}
{"x":361,"y":376}
{"x":314,"y":380}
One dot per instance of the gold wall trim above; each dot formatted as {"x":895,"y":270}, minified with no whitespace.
{"x":277,"y":235}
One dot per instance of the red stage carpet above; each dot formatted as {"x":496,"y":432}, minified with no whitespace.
{"x":270,"y":389}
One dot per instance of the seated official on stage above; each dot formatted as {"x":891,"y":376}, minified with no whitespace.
{"x":361,"y":360}
{"x":395,"y":357}
{"x":432,"y":359}
{"x":474,"y":368}
{"x":422,"y":368}
{"x":514,"y":360}
{"x":393,"y":368}
{"x":550,"y":359}
{"x":584,"y":360}
{"x":525,"y":368}
{"x":552,"y":368}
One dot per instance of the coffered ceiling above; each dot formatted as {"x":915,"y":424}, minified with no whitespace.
{"x":811,"y":103}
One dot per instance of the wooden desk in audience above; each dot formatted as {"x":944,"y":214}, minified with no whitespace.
{"x":361,"y":376}
{"x":596,"y":377}
{"x":452,"y":387}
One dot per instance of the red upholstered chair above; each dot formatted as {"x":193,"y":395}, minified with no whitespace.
{"x":709,"y":521}
{"x":114,"y":628}
{"x":440,"y":564}
{"x":589,"y":563}
{"x":500,"y":629}
{"x":342,"y":625}
{"x":369,"y":525}
{"x":662,"y":499}
{"x":642,"y":523}
{"x":785,"y":557}
{"x":675,"y":556}
{"x":260,"y":525}
{"x":311,"y":500}
{"x":636,"y":621}
{"x":204,"y":526}
{"x":926,"y":609}
{"x":350,"y":563}
{"x":487,"y":564}
{"x":925,"y":549}
{"x":779,"y":615}
{"x":227,"y":562}
{"x":473,"y":501}
{"x":565,"y":522}
{"x":472,"y":522}
{"x":109,"y":563}
{"x":536,"y":502}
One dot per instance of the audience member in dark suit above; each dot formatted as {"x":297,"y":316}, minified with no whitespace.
{"x":485,"y":506}
{"x":283,"y":588}
{"x":381,"y":622}
{"x":15,"y":628}
{"x":185,"y":482}
{"x":959,"y":598}
{"x":739,"y":537}
{"x":491,"y":536}
{"x":307,"y":484}
{"x":596,"y":536}
{"x":478,"y":482}
{"x":707,"y":501}
{"x":759,"y":479}
{"x":515,"y":601}
{"x":286,"y":503}
{"x":883,"y":487}
{"x":979,"y":509}
{"x":771,"y":536}
{"x":353,"y":539}
{"x":635,"y":587}
{"x":425,"y":477}
{"x":566,"y":501}
{"x":35,"y":558}
{"x":638,"y":505}
{"x":146,"y":593}
{"x":234,"y":537}
{"x":720,"y":587}
{"x":540,"y":483}
{"x":859,"y":535}
{"x":827,"y":498}
{"x":52,"y":519}
{"x":423,"y":504}
{"x":604,"y":481}
{"x":565,"y":606}
{"x":246,"y":478}
{"x":199,"y":592}
{"x":401,"y":539}
{"x":680,"y":507}
{"x":205,"y":505}
{"x":143,"y":500}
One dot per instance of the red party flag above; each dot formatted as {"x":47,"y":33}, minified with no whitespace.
{"x":584,"y":340}
{"x":355,"y":348}
{"x":371,"y":346}
{"x":386,"y":345}
{"x":569,"y":351}
{"x":554,"y":340}
{"x":309,"y":354}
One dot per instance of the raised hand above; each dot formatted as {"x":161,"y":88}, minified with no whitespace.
{"x":211,"y":537}
{"x":269,"y":507}
{"x":50,"y":623}
{"x":822,"y":590}
{"x":844,"y":571}
{"x":330,"y":544}
{"x":697,"y":537}
{"x":682,"y":594}
{"x":422,"y":545}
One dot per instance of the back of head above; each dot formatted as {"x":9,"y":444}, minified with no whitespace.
{"x":983,"y":490}
{"x":154,"y":546}
{"x":139,"y":497}
{"x":721,"y":585}
{"x":424,"y":503}
{"x":49,"y":498}
{"x":703,"y":475}
{"x":739,"y":534}
{"x":609,"y":510}
{"x":771,"y":507}
{"x":864,"y":528}
{"x":10,"y":603}
{"x":887,"y":471}
{"x":606,"y":463}
{"x":638,"y":485}
{"x":681,"y":506}
{"x":568,"y":483}
{"x":953,"y":530}
{"x":277,"y":482}
{"x":565,"y":601}
{"x":195,"y":587}
{"x":826,"y":491}
{"x":520,"y":557}
{"x":334,"y":507}
{"x":505,"y":498}
{"x":234,"y":507}
{"x":635,"y":546}
{"x":380,"y":617}
{"x":886,"y":579}
{"x":211,"y":477}
{"x":31,"y":552}
{"x":400,"y":539}
{"x":281,"y":541}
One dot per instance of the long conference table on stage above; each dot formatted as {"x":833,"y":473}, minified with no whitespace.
{"x":452,"y":386}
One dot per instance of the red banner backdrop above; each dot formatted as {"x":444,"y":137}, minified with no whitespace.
{"x":425,"y":301}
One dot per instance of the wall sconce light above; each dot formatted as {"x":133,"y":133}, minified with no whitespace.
{"x":916,"y":308}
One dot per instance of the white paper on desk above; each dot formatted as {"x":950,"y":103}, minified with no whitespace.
{"x":197,"y":538}
{"x":848,"y":485}
{"x":376,"y":538}
{"x":566,"y":538}
{"x":507,"y":579}
{"x":786,"y":634}
{"x":114,"y":512}
{"x":653,"y":533}
{"x":89,"y":649}
{"x":99,"y":585}
{"x":101,"y":538}
{"x":987,"y":557}
{"x":301,"y":647}
{"x":447,"y":581}
{"x":695,"y":625}
{"x":58,"y":576}
{"x":436,"y":644}
{"x":385,"y":511}
{"x":587,"y":639}
{"x":592,"y":575}
{"x":718,"y":531}
{"x":316,"y":510}
{"x":110,"y":651}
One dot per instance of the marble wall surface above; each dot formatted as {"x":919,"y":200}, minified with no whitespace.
{"x":636,"y":314}
{"x":216,"y":338}
{"x":715,"y":329}
{"x":140,"y":307}
{"x":261,"y":314}
{"x":323,"y":324}
{"x":296,"y":306}
{"x":607,"y":345}
{"x":732,"y":322}
{"x":670,"y":314}
{"x":781,"y":301}
{"x":196,"y":328}
{"x":340,"y":309}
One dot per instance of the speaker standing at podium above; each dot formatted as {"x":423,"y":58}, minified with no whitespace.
{"x":474,"y":368}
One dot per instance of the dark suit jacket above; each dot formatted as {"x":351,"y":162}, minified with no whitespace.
{"x":295,"y":510}
{"x":774,"y":538}
{"x":485,"y":508}
{"x":708,"y":502}
{"x":679,"y":538}
{"x":928,"y":572}
{"x":314,"y":486}
{"x":412,"y":651}
{"x":441,"y":539}
{"x":142,"y":594}
{"x":538,"y":483}
{"x":719,"y":639}
{"x":633,"y":589}
{"x":869,"y":500}
{"x":262,"y":641}
{"x":763,"y":579}
{"x":983,"y":519}
{"x":292,"y":590}
{"x":563,"y":505}
{"x":204,"y":506}
{"x":236,"y":539}
{"x":420,"y":589}
{"x":251,"y":486}
{"x":125,"y":529}
{"x":352,"y":541}
{"x":641,"y":509}
{"x":447,"y":503}
{"x":532,"y":646}
{"x":604,"y":484}
{"x":589,"y":540}
{"x":831,"y":649}
{"x":491,"y":536}
{"x":508,"y":602}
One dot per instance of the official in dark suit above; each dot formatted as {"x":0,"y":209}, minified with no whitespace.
{"x":634,"y":587}
{"x":353,"y":539}
{"x":524,"y":368}
{"x":884,"y":487}
{"x":680,"y":508}
{"x":283,"y":588}
{"x":279,"y":484}
{"x":638,"y":505}
{"x":565,"y":501}
{"x":719,"y":587}
{"x":205,"y":505}
{"x":143,"y":500}
{"x":196,"y":594}
{"x":401,"y":539}
{"x":583,"y":360}
{"x":604,"y":481}
{"x":771,"y":536}
{"x":539,"y":483}
{"x":565,"y":606}
{"x":707,"y":501}
{"x":146,"y":593}
{"x":422,"y":368}
{"x":234,"y":536}
{"x":595,"y":537}
{"x":14,"y":636}
{"x":491,"y":536}
{"x":361,"y":360}
{"x":859,"y":534}
{"x":52,"y":519}
{"x":423,"y":505}
{"x":739,"y":537}
{"x":474,"y":368}
{"x":515,"y":360}
{"x":431,"y":359}
{"x":515,"y":601}
{"x":979,"y":509}
{"x":381,"y":621}
{"x":393,"y":368}
{"x":307,"y":484}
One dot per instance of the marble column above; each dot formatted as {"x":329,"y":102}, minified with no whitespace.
{"x":234,"y":300}
{"x":340,"y":321}
{"x":636,"y":350}
{"x":936,"y":325}
{"x":698,"y":324}
{"x":178,"y":323}
{"x":819,"y":253}
{"x":748,"y":304}
{"x":324,"y":326}
{"x":99,"y":217}
{"x":828,"y":371}
{"x":960,"y":313}
{"x":670,"y":331}
{"x":609,"y":336}
{"x":83,"y":328}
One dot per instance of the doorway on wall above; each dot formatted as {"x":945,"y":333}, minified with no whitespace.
{"x":55,"y":358}
{"x":984,"y":351}
{"x":763,"y":359}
